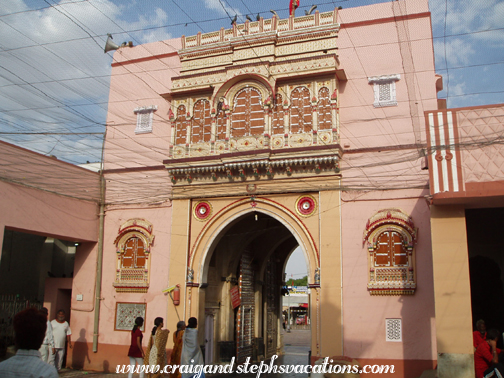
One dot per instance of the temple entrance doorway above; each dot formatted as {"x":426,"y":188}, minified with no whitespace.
{"x":245,"y":279}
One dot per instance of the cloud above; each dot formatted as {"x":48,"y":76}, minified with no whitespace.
{"x":458,"y":52}
{"x":222,"y":8}
{"x":55,"y":75}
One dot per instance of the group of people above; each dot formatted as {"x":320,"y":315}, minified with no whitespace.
{"x":488,"y":359}
{"x":186,"y":350}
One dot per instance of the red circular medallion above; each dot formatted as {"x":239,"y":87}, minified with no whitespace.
{"x":306,"y":205}
{"x":202,"y":210}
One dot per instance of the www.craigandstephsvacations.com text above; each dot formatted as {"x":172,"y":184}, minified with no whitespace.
{"x":262,"y":368}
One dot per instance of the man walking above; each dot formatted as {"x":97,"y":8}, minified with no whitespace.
{"x":47,"y":348}
{"x":30,"y":328}
{"x":61,"y":334}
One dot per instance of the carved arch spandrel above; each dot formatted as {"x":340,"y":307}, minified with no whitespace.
{"x":204,"y":242}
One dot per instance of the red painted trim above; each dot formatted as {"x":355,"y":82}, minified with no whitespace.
{"x":430,"y":155}
{"x":49,"y":158}
{"x":135,"y":169}
{"x":384,"y":20}
{"x":191,"y":254}
{"x":436,"y":151}
{"x":147,"y":58}
{"x":446,"y":128}
{"x":458,"y":154}
{"x":386,"y":148}
{"x":253,"y":153}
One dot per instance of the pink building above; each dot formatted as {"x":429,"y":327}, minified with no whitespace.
{"x":244,"y":144}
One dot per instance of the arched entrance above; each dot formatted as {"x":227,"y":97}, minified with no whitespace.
{"x":239,"y":260}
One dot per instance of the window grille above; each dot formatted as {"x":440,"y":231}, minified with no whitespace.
{"x":300,"y":111}
{"x":201,"y":124}
{"x":324,"y":110}
{"x":248,"y":113}
{"x":277,"y":126}
{"x":181,"y":124}
{"x":393,"y":330}
{"x":384,"y":90}
{"x":144,"y":119}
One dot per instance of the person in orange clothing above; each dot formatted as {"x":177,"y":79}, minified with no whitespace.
{"x":177,"y":348}
{"x":480,"y":334}
{"x":487,"y":353}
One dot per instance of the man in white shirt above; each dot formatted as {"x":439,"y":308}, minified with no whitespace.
{"x":29,"y":327}
{"x":61,"y":334}
{"x":47,"y":348}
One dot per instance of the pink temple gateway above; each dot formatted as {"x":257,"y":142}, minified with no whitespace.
{"x":321,"y":133}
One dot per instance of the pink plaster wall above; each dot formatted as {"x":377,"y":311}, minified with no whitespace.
{"x":160,"y":218}
{"x":364,"y":315}
{"x":140,"y":75}
{"x":371,"y":43}
{"x":54,"y":302}
{"x":377,"y":40}
{"x":43,"y":213}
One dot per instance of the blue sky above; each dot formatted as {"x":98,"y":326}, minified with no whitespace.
{"x":54,"y":75}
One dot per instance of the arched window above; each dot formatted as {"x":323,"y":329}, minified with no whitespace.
{"x":324,"y":110}
{"x":300,"y":111}
{"x":390,"y":250}
{"x":390,"y":236}
{"x":181,"y":125}
{"x":248,"y":113}
{"x":134,"y":253}
{"x":201,"y":124}
{"x":133,"y":246}
{"x":277,"y":124}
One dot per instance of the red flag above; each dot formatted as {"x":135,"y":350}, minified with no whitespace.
{"x":292,"y":6}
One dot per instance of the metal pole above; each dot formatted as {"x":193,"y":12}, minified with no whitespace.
{"x":288,"y":311}
{"x":99,"y":264}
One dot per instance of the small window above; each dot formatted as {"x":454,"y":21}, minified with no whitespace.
{"x":300,"y":111}
{"x":324,"y":110}
{"x":393,"y":329}
{"x":134,"y":254}
{"x":181,"y":124}
{"x":144,"y":119}
{"x":390,"y":236}
{"x":384,"y":90}
{"x":133,"y":245}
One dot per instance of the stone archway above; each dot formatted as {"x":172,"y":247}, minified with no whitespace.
{"x":245,"y":248}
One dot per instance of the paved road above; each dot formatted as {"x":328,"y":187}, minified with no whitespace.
{"x":296,"y":353}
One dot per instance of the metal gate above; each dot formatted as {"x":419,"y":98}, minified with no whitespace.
{"x":246,"y":312}
{"x":272,"y":308}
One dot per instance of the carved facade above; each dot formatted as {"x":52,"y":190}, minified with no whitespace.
{"x":133,"y":247}
{"x":270,"y":87}
{"x":390,"y":236}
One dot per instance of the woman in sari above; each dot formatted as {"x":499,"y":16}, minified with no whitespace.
{"x":191,"y":351}
{"x":156,"y":350}
{"x":177,"y":348}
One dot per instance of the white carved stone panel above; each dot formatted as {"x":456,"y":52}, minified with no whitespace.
{"x":300,"y":140}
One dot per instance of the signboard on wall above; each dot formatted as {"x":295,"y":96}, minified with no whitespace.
{"x":235,"y":296}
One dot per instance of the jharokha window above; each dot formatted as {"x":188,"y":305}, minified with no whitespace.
{"x":133,"y":246}
{"x":181,"y":125}
{"x":300,"y":111}
{"x":248,"y":113}
{"x":277,"y":125}
{"x":324,"y":110}
{"x":201,"y":125}
{"x":390,"y":236}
